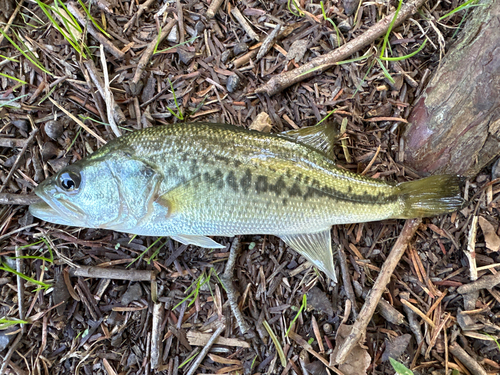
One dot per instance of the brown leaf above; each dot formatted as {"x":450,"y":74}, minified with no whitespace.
{"x":358,"y":360}
{"x":490,"y":235}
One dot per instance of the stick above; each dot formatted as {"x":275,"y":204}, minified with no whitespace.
{"x":11,"y":19}
{"x":138,"y":14}
{"x":469,"y":362}
{"x":155,"y":353}
{"x":90,"y":131}
{"x":244,"y":23}
{"x":324,"y":62}
{"x":108,"y":95}
{"x":113,"y":273}
{"x":346,"y":278}
{"x":485,"y":282}
{"x":148,"y":52}
{"x":12,"y":142}
{"x":366,"y":313}
{"x":22,"y":200}
{"x":18,"y":159}
{"x":205,"y":350}
{"x":227,"y":279}
{"x":110,"y":47}
{"x":213,"y":8}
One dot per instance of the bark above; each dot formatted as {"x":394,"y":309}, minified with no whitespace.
{"x":455,"y":124}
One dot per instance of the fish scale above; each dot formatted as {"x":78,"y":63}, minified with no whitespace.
{"x":190,"y":181}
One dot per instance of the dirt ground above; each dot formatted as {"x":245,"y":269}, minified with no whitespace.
{"x":158,"y":303}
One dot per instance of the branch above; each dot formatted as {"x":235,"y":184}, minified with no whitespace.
{"x":324,"y":62}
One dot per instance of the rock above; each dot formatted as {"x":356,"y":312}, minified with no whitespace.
{"x":345,"y":25}
{"x":320,"y":301}
{"x":133,"y":293}
{"x":240,"y":48}
{"x":232,"y":83}
{"x":53,"y":129}
{"x":184,"y":55}
{"x":396,"y":347}
{"x":173,"y":36}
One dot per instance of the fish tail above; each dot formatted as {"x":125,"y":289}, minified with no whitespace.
{"x":430,"y":196}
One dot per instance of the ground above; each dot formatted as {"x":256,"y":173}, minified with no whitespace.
{"x":163,"y":300}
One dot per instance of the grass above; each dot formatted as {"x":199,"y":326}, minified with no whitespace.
{"x":303,"y":305}
{"x":71,"y":26}
{"x":25,"y":51}
{"x":339,"y":41}
{"x":188,"y":359}
{"x":5,"y":323}
{"x":277,"y":344}
{"x":145,"y":251}
{"x":14,"y":78}
{"x":5,"y":267}
{"x":297,"y":8}
{"x":400,"y":368}
{"x":196,"y":287}
{"x":179,"y":114}
{"x":169,"y":48}
{"x":466,"y":5}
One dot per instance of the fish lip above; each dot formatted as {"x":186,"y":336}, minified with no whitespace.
{"x":51,"y":210}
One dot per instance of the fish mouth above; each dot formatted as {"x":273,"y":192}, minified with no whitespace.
{"x":50,"y":209}
{"x":45,"y":212}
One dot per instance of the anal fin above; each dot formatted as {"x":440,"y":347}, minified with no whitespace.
{"x":316,"y":248}
{"x":201,"y":241}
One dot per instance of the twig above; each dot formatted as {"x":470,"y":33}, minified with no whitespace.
{"x":138,"y":14}
{"x":180,"y":21}
{"x":12,"y":142}
{"x":20,"y":283}
{"x":324,"y":62}
{"x":11,"y":19}
{"x":469,"y":362}
{"x":366,"y":313}
{"x":156,"y":335}
{"x":413,"y":322}
{"x":110,"y":47}
{"x":108,"y":95}
{"x":384,"y":308}
{"x":18,"y":159}
{"x":148,"y":52}
{"x":12,"y":348}
{"x":205,"y":349}
{"x":227,"y":279}
{"x":213,"y":8}
{"x":7,"y":235}
{"x":90,"y":131}
{"x":244,"y":23}
{"x":346,"y":278}
{"x":418,"y":312}
{"x":22,"y":200}
{"x":485,"y":282}
{"x":113,"y":273}
{"x":471,"y":248}
{"x":96,"y":79}
{"x":268,"y":42}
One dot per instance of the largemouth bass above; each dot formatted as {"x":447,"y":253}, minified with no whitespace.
{"x":190,"y":181}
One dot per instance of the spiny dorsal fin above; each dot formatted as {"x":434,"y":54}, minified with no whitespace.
{"x":322,"y":136}
{"x":316,"y":248}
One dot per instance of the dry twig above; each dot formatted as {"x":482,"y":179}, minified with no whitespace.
{"x":474,"y":367}
{"x":113,"y":273}
{"x":22,"y":200}
{"x":324,"y":62}
{"x":366,"y":313}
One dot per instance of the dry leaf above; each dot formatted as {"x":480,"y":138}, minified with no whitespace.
{"x":358,"y":360}
{"x":490,"y":236}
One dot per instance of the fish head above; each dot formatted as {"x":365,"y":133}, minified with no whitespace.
{"x":115,"y":191}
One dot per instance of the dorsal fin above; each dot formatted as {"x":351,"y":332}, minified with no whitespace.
{"x":322,"y":136}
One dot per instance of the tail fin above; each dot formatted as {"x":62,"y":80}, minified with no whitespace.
{"x":430,"y":196}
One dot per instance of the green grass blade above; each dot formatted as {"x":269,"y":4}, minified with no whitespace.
{"x":5,"y":267}
{"x":385,"y":71}
{"x":94,"y":22}
{"x":13,"y":78}
{"x":400,"y":368}
{"x":466,"y":5}
{"x":302,"y":307}
{"x":406,"y":56}
{"x":277,"y":344}
{"x":386,"y":37}
{"x":25,"y":54}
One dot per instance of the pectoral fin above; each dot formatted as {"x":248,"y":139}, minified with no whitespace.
{"x":322,"y":137}
{"x":201,"y":241}
{"x":316,"y":248}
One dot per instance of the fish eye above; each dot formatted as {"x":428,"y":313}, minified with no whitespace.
{"x":69,"y":180}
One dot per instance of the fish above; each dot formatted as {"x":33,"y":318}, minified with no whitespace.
{"x":193,"y":181}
